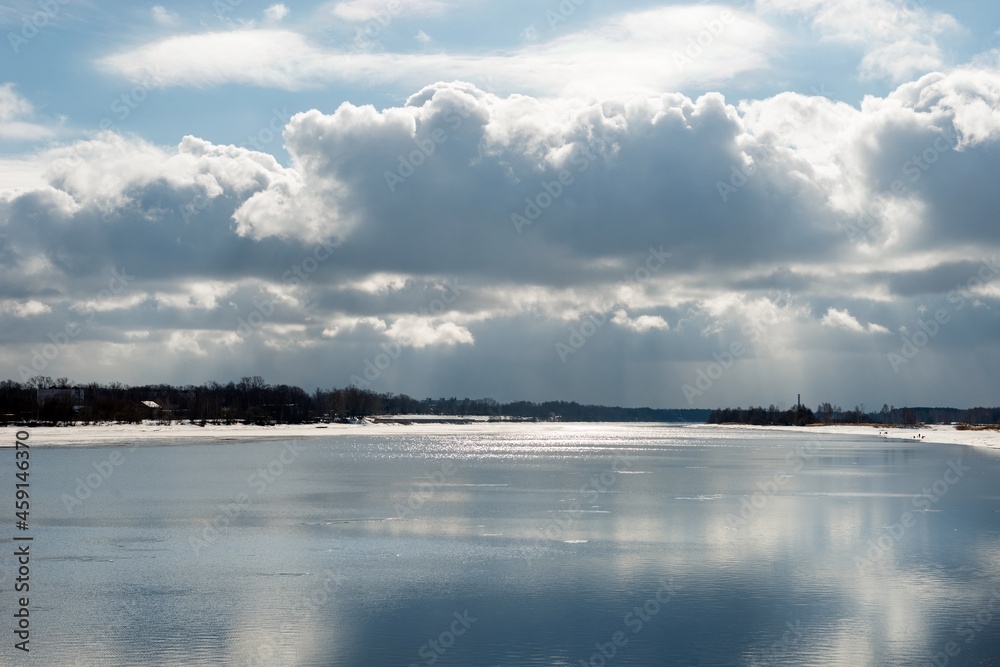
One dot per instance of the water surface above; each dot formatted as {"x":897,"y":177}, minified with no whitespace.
{"x":533,"y":545}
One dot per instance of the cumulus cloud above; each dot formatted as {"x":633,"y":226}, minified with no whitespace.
{"x":477,"y":231}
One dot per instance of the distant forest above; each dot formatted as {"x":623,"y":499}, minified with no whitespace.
{"x":834,"y":414}
{"x":43,"y":400}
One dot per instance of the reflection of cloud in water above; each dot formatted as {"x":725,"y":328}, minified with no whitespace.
{"x":474,"y":545}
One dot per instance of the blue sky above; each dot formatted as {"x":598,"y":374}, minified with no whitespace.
{"x":809,"y":183}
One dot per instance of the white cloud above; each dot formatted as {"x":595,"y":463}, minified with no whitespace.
{"x":108,"y":305}
{"x":423,"y":37}
{"x":343,"y":324}
{"x":16,"y":116}
{"x":114,"y":201}
{"x":185,"y":344}
{"x":26,"y":309}
{"x":380,"y":283}
{"x":634,"y":53}
{"x":841,"y":319}
{"x":204,"y":295}
{"x":418,"y":332}
{"x":275,"y":13}
{"x":641,"y":324}
{"x":21,"y":174}
{"x":164,"y":17}
{"x":266,"y":57}
{"x":898,"y":38}
{"x":13,"y":105}
{"x":102,"y":172}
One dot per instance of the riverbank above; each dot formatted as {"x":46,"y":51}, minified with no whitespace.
{"x":154,"y":433}
{"x":937,"y":433}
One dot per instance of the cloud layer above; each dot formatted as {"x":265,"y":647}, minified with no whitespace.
{"x":608,"y":250}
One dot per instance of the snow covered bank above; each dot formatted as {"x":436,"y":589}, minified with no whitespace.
{"x":938,"y":433}
{"x":156,"y":434}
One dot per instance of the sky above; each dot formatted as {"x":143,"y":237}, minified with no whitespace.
{"x":628,"y":203}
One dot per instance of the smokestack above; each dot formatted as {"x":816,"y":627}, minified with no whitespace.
{"x":798,"y":401}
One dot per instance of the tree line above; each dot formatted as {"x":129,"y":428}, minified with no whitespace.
{"x":770,"y":416}
{"x":253,"y":401}
{"x":827,"y":413}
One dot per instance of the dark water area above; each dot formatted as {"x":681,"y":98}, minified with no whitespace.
{"x":531,"y":545}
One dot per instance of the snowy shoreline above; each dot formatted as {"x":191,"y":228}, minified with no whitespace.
{"x":152,"y":433}
{"x":936,"y":433}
